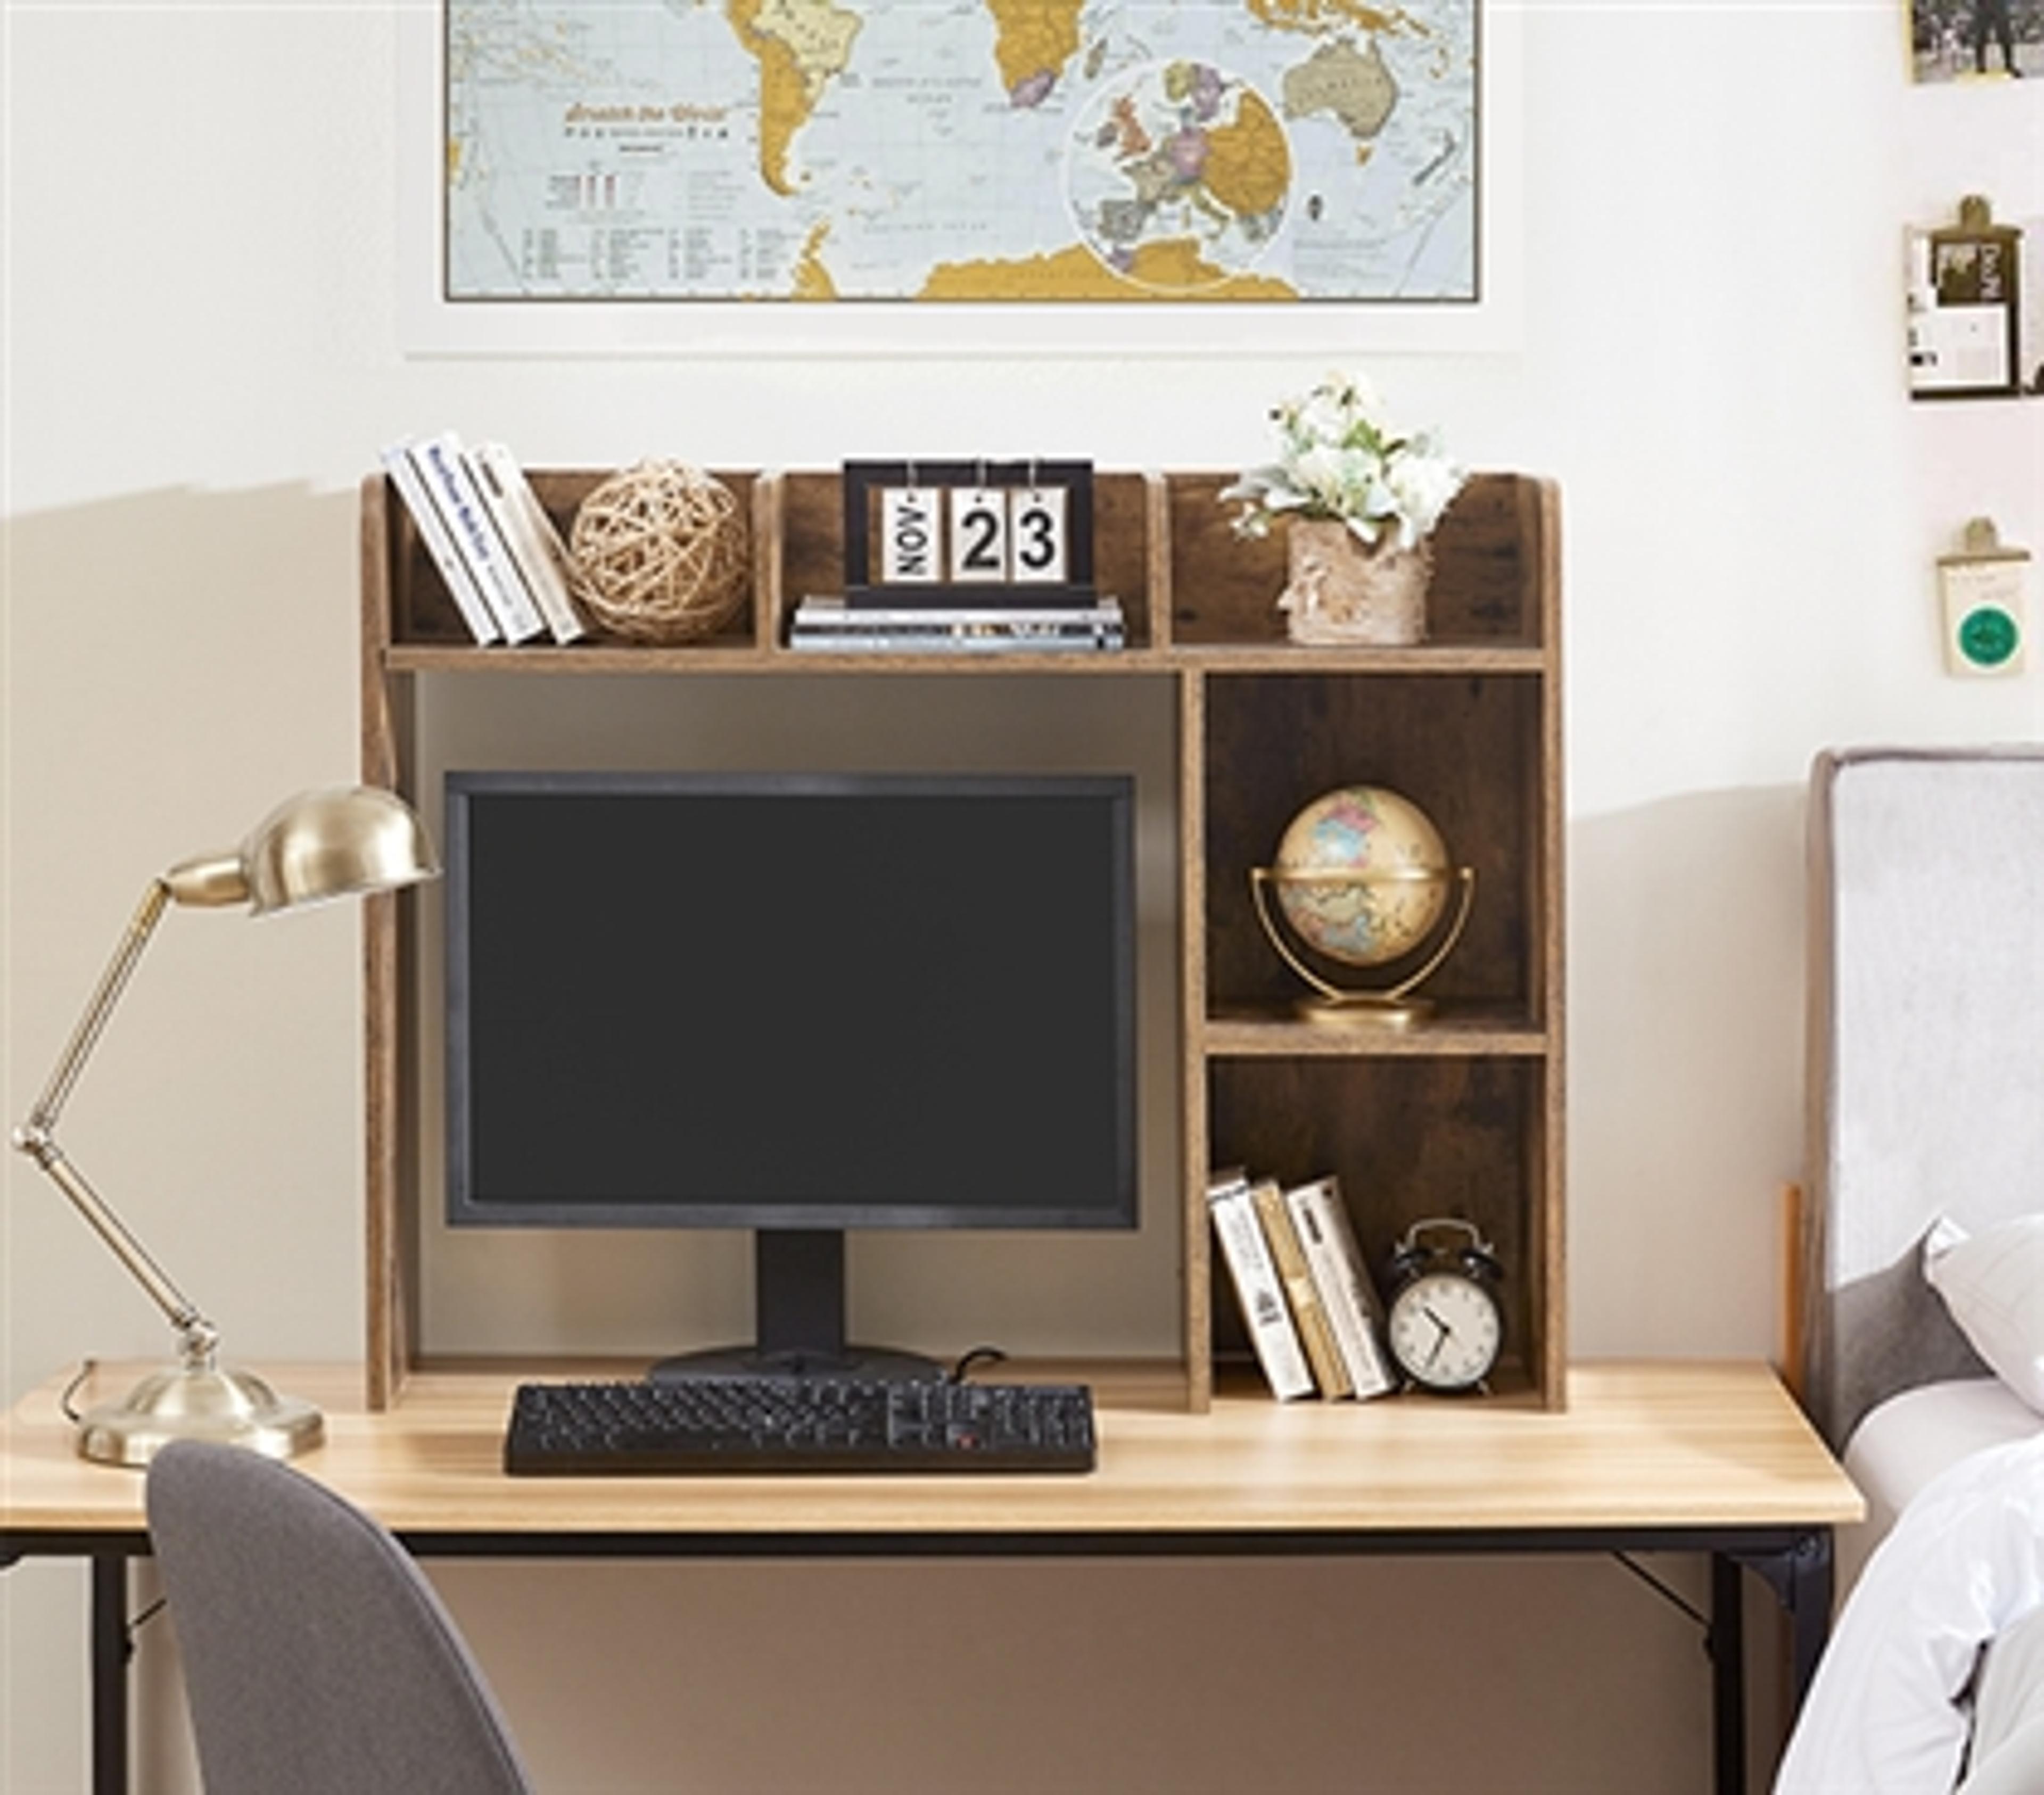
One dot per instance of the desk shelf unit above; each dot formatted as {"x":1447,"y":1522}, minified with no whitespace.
{"x":1461,"y":1115}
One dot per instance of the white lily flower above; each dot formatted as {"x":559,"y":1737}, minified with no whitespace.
{"x":1341,"y":457}
{"x":1424,"y":486}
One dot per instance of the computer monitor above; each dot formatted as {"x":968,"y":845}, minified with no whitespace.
{"x":794,"y":1003}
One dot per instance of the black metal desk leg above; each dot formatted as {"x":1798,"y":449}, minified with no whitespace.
{"x":1799,"y":1574}
{"x":1726,"y":1644}
{"x":109,"y":1675}
{"x":1809,"y":1600}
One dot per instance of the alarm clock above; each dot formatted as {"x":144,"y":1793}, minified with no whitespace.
{"x":1442,"y":1315}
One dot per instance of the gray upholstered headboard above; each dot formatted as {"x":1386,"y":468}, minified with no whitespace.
{"x":1926,"y":1048}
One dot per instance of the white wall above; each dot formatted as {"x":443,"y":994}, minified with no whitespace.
{"x":202,"y":357}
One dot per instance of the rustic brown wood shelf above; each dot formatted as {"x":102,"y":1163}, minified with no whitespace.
{"x":1462,"y":1114}
{"x":1244,"y":1032}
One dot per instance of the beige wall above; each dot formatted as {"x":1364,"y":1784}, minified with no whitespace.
{"x":202,"y":357}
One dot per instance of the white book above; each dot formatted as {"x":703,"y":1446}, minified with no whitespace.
{"x":444,"y":469}
{"x":828,"y":624}
{"x":536,"y":546}
{"x":834,"y":613}
{"x":1263,"y":1308}
{"x":1026,"y":629}
{"x":433,"y":530}
{"x":842,"y":642}
{"x":1347,"y":1296}
{"x":956,"y":623}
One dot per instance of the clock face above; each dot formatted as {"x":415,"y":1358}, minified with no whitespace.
{"x":1445,"y":1331}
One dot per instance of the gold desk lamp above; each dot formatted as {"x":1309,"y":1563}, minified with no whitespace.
{"x":320,"y":844}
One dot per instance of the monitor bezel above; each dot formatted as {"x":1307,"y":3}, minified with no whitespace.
{"x":463,"y":1208}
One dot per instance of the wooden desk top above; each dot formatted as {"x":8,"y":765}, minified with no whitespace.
{"x":1646,"y":1445}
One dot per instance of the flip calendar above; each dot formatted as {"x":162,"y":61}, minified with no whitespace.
{"x":963,"y":534}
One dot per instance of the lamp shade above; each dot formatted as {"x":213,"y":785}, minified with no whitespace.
{"x":338,"y":842}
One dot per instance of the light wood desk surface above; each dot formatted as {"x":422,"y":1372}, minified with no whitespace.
{"x":1666,"y":1444}
{"x":1695,"y":1456}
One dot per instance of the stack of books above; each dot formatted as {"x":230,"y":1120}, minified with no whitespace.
{"x":842,"y":626}
{"x":503,"y":563}
{"x":1313,"y":1316}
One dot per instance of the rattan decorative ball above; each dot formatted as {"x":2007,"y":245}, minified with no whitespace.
{"x":660,"y":551}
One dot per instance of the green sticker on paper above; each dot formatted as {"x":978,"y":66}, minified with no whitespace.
{"x":1988,"y":636}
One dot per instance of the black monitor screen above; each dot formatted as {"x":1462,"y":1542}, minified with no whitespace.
{"x":790,"y":1002}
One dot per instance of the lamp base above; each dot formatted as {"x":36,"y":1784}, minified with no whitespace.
{"x":191,"y":1402}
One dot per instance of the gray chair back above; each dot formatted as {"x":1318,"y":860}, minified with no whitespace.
{"x":317,"y":1657}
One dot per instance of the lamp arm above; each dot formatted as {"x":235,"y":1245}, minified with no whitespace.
{"x":85,"y":1035}
{"x":36,"y":1137}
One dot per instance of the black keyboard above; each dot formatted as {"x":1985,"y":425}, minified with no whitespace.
{"x":750,"y":1425}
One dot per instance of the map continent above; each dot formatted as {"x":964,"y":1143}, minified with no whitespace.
{"x":800,"y":45}
{"x":1179,"y":153}
{"x":1352,"y":85}
{"x":1033,"y":41}
{"x":961,"y":150}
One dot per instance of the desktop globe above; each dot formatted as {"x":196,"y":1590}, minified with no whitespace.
{"x":1362,"y":875}
{"x":1362,"y":878}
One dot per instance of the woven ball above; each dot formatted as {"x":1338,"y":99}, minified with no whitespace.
{"x":660,"y":552}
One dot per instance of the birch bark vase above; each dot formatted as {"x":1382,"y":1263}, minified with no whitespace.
{"x":1342,"y":589}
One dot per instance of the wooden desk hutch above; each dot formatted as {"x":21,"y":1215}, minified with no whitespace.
{"x":1461,"y":1115}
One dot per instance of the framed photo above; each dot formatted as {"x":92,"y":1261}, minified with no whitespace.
{"x":2030,"y":326}
{"x":1965,"y":307}
{"x":1976,"y":39}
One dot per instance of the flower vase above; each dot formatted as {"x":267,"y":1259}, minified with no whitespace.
{"x":1342,"y":589}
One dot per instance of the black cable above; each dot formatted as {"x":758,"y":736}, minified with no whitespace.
{"x":87,"y":1367}
{"x":134,"y":1625}
{"x":1664,"y":1590}
{"x":978,"y":1355}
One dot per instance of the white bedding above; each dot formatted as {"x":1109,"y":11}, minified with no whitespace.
{"x":1913,"y":1438}
{"x":2008,"y":1755}
{"x":1964,"y":1561}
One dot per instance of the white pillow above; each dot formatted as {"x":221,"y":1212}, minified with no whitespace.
{"x":1993,"y":1286}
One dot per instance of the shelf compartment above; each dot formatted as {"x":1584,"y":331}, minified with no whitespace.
{"x":1494,"y":552}
{"x":811,"y":555}
{"x":422,"y":612}
{"x":1408,"y":1139}
{"x":1468,"y":752}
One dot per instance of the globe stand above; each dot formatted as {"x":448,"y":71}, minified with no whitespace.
{"x":1390,"y":1005}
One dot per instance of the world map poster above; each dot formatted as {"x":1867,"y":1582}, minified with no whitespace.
{"x":962,"y":150}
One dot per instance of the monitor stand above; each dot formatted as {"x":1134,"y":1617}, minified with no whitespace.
{"x":798,"y":1298}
